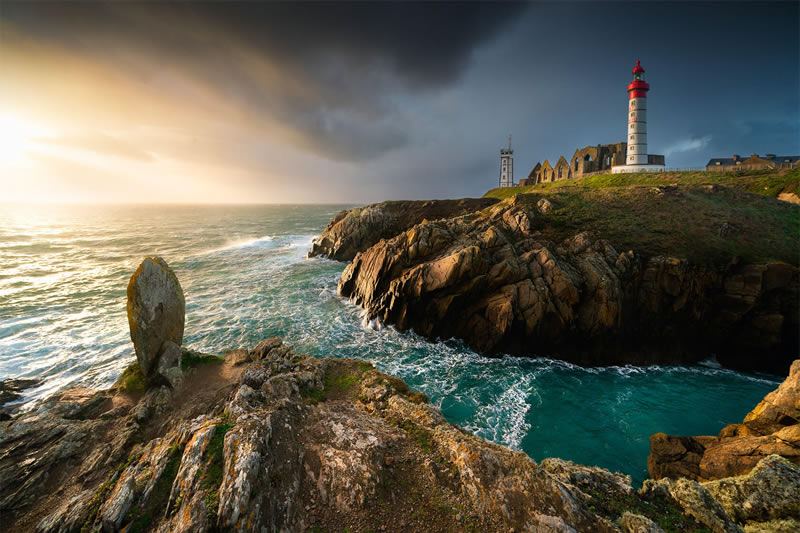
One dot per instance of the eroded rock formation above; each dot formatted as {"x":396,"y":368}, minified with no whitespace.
{"x":271,"y":440}
{"x":489,"y":278}
{"x":156,"y":316}
{"x":354,"y":230}
{"x":773,"y":427}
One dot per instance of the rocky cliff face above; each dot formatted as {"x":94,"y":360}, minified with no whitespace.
{"x":271,"y":440}
{"x":489,"y":278}
{"x":773,"y":427}
{"x":354,"y":230}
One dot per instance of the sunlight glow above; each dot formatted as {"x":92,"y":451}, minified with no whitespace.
{"x":18,"y":136}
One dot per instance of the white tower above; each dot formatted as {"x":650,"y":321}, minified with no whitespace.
{"x":637,"y":158}
{"x":637,"y":118}
{"x":507,"y":165}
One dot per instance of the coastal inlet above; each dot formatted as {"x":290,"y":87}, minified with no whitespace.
{"x":245,"y":276}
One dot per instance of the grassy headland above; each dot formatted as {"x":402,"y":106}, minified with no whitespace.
{"x":765,"y":182}
{"x":708,"y":218}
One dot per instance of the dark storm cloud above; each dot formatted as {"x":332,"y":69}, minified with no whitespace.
{"x":328,"y":73}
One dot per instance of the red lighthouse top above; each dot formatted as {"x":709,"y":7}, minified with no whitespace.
{"x":638,"y":87}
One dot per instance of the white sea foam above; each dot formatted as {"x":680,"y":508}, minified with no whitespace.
{"x":242,"y":243}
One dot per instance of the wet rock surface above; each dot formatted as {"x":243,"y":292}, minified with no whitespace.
{"x":290,"y":443}
{"x":489,"y":278}
{"x":354,"y":230}
{"x":773,"y":427}
{"x":11,"y":391}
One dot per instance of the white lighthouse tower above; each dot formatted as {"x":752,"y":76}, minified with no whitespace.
{"x":507,"y":165}
{"x":637,"y":159}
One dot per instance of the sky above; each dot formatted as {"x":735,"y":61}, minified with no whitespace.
{"x":224,"y":102}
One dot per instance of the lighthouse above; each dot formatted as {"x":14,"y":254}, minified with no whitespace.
{"x":637,"y":158}
{"x":637,"y":117}
{"x":507,"y":165}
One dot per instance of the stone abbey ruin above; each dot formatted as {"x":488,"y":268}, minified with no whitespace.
{"x":584,"y":161}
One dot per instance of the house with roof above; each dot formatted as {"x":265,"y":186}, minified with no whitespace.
{"x":754,"y":162}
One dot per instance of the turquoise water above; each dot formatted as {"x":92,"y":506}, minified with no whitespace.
{"x":64,"y":271}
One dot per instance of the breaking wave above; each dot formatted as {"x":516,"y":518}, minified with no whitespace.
{"x":62,"y":318}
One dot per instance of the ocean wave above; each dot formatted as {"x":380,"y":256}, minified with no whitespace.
{"x":231,"y":245}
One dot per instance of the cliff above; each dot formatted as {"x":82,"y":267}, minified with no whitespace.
{"x":266,"y":439}
{"x":354,"y":230}
{"x":635,"y":275}
{"x":271,"y":440}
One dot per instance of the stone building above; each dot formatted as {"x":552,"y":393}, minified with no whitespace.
{"x":754,"y":162}
{"x":584,"y":161}
{"x":630,"y":156}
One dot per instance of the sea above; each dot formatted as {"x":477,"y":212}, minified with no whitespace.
{"x":244,"y":272}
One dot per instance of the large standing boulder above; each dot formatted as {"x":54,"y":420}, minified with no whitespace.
{"x":156,"y":312}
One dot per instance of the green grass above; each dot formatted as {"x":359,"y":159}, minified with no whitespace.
{"x":191,"y":359}
{"x":132,"y":380}
{"x":763,"y":182}
{"x":312,"y":395}
{"x":338,"y":382}
{"x":212,"y":476}
{"x":341,"y":382}
{"x":422,"y":436}
{"x":685,"y":223}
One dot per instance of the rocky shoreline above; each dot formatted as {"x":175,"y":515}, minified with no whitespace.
{"x":266,"y":439}
{"x":493,"y":278}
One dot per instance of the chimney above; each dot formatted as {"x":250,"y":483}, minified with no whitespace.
{"x":735,"y":157}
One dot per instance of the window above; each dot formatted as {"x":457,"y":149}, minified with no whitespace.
{"x":738,"y":162}
{"x":576,"y":163}
{"x":718,"y":163}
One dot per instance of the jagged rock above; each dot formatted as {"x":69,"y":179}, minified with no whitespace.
{"x":486,"y":277}
{"x":264,"y":347}
{"x":156,"y":309}
{"x":773,"y":526}
{"x":288,"y":442}
{"x":771,"y":428}
{"x":544,"y":205}
{"x":779,"y":408}
{"x":635,"y":523}
{"x":239,"y":357}
{"x":357,"y":229}
{"x":291,"y":441}
{"x":10,"y":388}
{"x":169,"y":364}
{"x":790,"y":197}
{"x":695,"y":501}
{"x":770,"y":491}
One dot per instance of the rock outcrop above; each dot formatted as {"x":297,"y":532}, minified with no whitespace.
{"x":773,"y":427}
{"x":10,"y":391}
{"x":286,"y":442}
{"x":489,"y":278}
{"x":268,"y":440}
{"x":354,"y":230}
{"x":156,"y":316}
